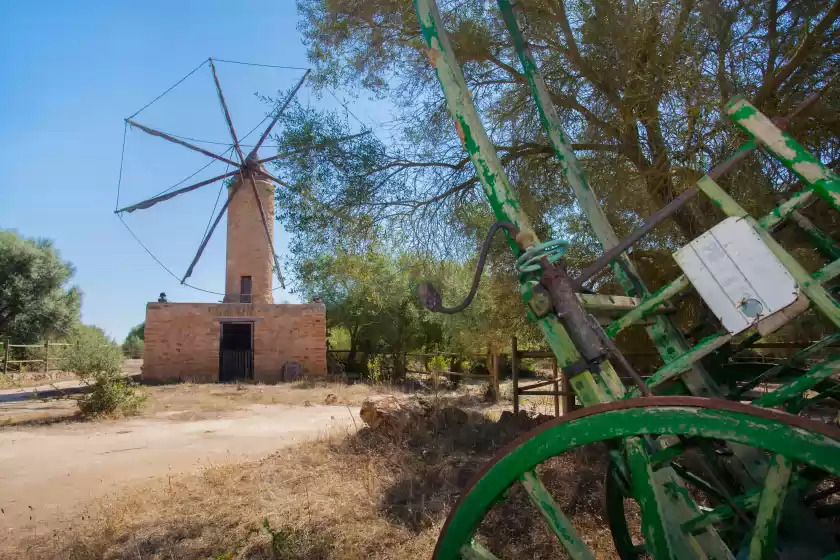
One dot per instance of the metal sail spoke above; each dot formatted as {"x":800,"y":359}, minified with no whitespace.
{"x":234,"y":189}
{"x":554,"y":517}
{"x":267,"y":131}
{"x":171,"y":138}
{"x":227,"y":113}
{"x":265,"y":228}
{"x":154,"y":200}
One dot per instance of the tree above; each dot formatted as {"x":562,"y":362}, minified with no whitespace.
{"x":640,"y":88}
{"x":35,"y":298}
{"x":134,"y":343}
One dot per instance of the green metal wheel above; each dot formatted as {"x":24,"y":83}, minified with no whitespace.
{"x":645,"y":436}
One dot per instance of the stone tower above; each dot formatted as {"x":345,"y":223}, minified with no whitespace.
{"x":249,"y":258}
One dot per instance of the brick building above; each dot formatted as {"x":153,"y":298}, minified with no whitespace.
{"x":248,"y":336}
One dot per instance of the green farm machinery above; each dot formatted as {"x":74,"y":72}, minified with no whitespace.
{"x":711,"y":476}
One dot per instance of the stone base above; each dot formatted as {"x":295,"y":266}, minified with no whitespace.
{"x":182,"y":339}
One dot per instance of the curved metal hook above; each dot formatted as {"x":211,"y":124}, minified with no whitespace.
{"x":430,"y":297}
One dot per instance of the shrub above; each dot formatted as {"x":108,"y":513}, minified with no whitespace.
{"x":133,"y":347}
{"x":97,"y":361}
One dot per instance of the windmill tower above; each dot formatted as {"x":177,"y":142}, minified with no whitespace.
{"x":247,"y":336}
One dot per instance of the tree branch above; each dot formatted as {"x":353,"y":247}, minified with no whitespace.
{"x":775,"y":80}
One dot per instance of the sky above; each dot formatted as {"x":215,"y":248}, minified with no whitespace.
{"x":73,"y":71}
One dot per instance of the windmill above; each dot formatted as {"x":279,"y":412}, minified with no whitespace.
{"x":250,"y":192}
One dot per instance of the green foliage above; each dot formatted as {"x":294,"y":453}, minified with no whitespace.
{"x":438,"y":364}
{"x":376,"y":371}
{"x":134,"y":343}
{"x":644,"y":132}
{"x":35,"y":300}
{"x":133,"y":347}
{"x":97,"y":361}
{"x":138,"y":331}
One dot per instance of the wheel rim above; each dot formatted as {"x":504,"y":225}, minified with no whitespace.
{"x":796,"y":438}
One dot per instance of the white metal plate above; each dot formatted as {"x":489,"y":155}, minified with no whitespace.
{"x":737,"y":275}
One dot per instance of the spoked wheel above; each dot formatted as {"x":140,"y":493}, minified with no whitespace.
{"x":678,"y":519}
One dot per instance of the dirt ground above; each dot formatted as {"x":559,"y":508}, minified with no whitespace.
{"x":202,"y":467}
{"x":351,"y":495}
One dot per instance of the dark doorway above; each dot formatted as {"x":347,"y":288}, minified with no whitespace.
{"x":236,"y":352}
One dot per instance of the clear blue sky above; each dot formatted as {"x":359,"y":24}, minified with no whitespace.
{"x":71,"y":72}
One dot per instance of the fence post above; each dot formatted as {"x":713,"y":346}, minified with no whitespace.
{"x":6,"y":357}
{"x":495,"y":374}
{"x":514,"y":373}
{"x":47,"y":355}
{"x":568,"y":400}
{"x":556,"y":388}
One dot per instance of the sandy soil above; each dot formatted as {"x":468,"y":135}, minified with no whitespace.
{"x":46,"y":471}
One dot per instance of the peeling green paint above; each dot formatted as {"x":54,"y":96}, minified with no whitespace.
{"x":763,"y":541}
{"x":802,"y":383}
{"x":554,"y":517}
{"x":475,"y":551}
{"x":684,"y":361}
{"x":810,"y":169}
{"x":648,"y":306}
{"x":718,"y":423}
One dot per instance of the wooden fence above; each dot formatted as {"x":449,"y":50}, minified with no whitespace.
{"x":493,"y":365}
{"x":45,"y":360}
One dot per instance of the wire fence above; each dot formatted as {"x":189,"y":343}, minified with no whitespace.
{"x":30,"y":358}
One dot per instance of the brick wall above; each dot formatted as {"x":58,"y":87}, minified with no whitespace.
{"x":182,"y":339}
{"x":248,"y":253}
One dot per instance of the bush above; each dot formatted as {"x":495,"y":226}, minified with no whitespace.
{"x":133,"y":347}
{"x":97,"y":361}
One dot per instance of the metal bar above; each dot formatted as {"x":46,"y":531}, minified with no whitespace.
{"x":311,"y":147}
{"x":227,"y":113}
{"x":554,"y":517}
{"x":154,"y":200}
{"x":166,"y":136}
{"x":268,"y":235}
{"x":233,"y":190}
{"x":555,"y":374}
{"x":267,"y":131}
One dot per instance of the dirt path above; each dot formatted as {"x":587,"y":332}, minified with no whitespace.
{"x":47,"y":472}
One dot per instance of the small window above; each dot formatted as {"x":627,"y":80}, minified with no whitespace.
{"x":245,"y":289}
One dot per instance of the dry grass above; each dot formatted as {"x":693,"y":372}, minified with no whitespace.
{"x":189,"y":397}
{"x":363,"y":495}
